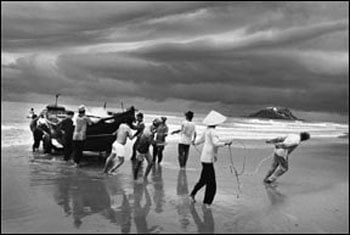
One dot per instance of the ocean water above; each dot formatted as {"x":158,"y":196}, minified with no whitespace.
{"x":15,"y":126}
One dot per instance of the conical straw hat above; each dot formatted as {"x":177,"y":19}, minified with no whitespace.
{"x":214,"y":118}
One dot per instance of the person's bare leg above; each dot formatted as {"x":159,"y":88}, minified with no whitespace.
{"x":149,"y":166}
{"x":282,"y":169}
{"x":108,"y":162}
{"x":137,"y":167}
{"x":121,"y":161}
{"x":272,"y":169}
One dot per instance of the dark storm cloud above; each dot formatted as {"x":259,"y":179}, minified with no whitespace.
{"x":54,"y":24}
{"x":230,"y":53}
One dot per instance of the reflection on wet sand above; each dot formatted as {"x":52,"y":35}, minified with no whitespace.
{"x":62,"y":195}
{"x":283,"y":217}
{"x":119,"y":211}
{"x":88,"y":197}
{"x":80,"y":196}
{"x":207,"y":224}
{"x":158,"y":184}
{"x":141,"y":211}
{"x":182,"y":206}
{"x":276,"y":198}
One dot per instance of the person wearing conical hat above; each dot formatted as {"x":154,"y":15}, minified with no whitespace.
{"x":208,"y":157}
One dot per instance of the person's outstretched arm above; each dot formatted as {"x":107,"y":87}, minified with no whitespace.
{"x":194,"y":136}
{"x":130,"y":135}
{"x":179,"y":130}
{"x":275,"y":140}
{"x":175,"y":132}
{"x":200,"y":140}
{"x":218,"y":143}
{"x":139,"y":129}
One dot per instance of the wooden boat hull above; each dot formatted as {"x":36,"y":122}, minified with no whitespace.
{"x":99,"y":135}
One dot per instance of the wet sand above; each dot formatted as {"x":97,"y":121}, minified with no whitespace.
{"x":43,"y":194}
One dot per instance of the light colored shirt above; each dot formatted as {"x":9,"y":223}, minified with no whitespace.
{"x":81,"y":123}
{"x":290,"y":141}
{"x":211,"y":144}
{"x":42,"y":121}
{"x":187,"y":131}
{"x":123,"y":132}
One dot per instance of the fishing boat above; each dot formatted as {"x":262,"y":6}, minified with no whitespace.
{"x":99,"y":136}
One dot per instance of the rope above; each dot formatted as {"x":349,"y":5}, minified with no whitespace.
{"x":195,"y":147}
{"x":259,"y":165}
{"x":235,"y":171}
{"x":245,"y":157}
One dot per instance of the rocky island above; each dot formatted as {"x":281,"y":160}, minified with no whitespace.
{"x":274,"y":113}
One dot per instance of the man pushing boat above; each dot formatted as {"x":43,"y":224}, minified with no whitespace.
{"x":118,"y":148}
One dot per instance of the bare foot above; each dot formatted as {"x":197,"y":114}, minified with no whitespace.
{"x":192,"y":198}
{"x":207,"y":206}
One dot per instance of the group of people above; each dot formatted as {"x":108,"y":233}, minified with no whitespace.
{"x":40,"y":127}
{"x":155,"y":135}
{"x":74,"y":136}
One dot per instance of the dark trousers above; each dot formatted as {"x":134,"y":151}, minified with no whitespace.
{"x":158,"y":151}
{"x":38,"y":136}
{"x":183,"y":150}
{"x":67,"y":148}
{"x":207,"y":178}
{"x":78,"y":146}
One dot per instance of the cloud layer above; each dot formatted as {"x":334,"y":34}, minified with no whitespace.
{"x":231,"y":53}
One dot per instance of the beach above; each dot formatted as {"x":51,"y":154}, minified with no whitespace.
{"x":264,"y":86}
{"x":43,"y":194}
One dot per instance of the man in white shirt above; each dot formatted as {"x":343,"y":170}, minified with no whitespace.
{"x":187,"y":137}
{"x":283,"y":147}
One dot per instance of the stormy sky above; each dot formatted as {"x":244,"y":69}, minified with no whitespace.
{"x":235,"y":57}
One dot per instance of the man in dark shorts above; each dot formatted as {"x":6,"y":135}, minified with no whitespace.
{"x":142,"y":148}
